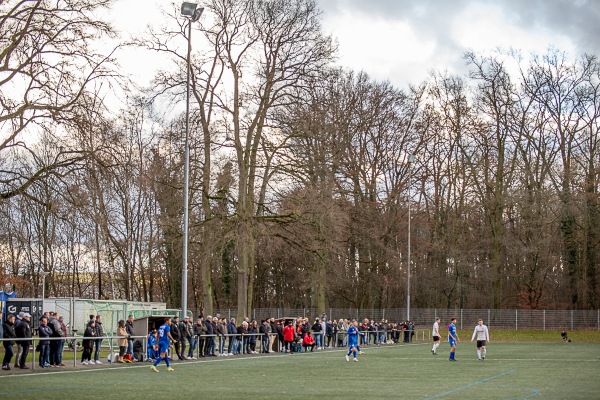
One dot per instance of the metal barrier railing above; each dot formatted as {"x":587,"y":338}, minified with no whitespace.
{"x":66,"y":339}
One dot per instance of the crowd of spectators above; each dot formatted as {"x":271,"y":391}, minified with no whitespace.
{"x":210,"y":336}
{"x":18,"y":336}
{"x":219,"y":337}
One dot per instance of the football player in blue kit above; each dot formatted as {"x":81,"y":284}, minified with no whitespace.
{"x":452,"y":338}
{"x":163,"y":340}
{"x":352,"y":340}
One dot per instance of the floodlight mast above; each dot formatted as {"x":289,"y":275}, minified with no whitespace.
{"x":193,"y":13}
{"x":411,"y":160}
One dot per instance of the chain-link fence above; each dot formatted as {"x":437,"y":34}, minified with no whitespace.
{"x":423,"y":317}
{"x":77,"y":311}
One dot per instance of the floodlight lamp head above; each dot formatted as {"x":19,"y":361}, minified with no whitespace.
{"x":191,"y":10}
{"x":188,"y":9}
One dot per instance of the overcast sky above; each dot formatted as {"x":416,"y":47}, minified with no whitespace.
{"x":403,"y":40}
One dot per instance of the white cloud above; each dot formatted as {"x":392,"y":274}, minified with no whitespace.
{"x":486,"y":27}
{"x":378,"y":46}
{"x":403,"y":40}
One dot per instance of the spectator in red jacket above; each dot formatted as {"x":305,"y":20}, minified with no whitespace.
{"x":308,"y":342}
{"x":288,"y":337}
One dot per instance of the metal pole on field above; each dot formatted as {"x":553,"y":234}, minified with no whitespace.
{"x":33,"y":356}
{"x":193,"y":13}
{"x":411,"y":159}
{"x":72,"y":314}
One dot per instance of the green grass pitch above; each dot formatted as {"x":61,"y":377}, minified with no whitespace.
{"x":511,"y":371}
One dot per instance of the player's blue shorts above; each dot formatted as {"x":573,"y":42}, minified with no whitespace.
{"x":452,"y":342}
{"x":352,"y":344}
{"x":163,"y":347}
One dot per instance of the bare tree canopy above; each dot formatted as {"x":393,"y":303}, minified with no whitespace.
{"x":49,"y":73}
{"x":300,"y":174}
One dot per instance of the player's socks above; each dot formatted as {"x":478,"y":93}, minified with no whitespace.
{"x":354,"y":354}
{"x":479,"y":354}
{"x":158,"y":360}
{"x":483,"y":353}
{"x":168,"y":362}
{"x":452,"y":355}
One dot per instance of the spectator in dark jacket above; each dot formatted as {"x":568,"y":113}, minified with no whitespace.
{"x":242,"y":330}
{"x":252,"y":331}
{"x":209,"y":345}
{"x":98,"y":342}
{"x":44,"y":332}
{"x":405,"y":332}
{"x":317,"y":328}
{"x":8,"y":329}
{"x":222,"y":331}
{"x":18,"y":347}
{"x":55,"y":345}
{"x":281,"y":344}
{"x":130,"y":334}
{"x":176,"y":334}
{"x":191,"y":337}
{"x":184,"y":334}
{"x":199,"y":331}
{"x":265,"y":330}
{"x":88,"y":343}
{"x":330,"y":333}
{"x":23,"y":332}
{"x":274,"y":337}
{"x":232,"y":330}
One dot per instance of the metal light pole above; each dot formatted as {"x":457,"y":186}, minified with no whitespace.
{"x":193,"y":13}
{"x":411,"y":159}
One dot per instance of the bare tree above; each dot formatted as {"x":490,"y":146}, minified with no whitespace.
{"x":47,"y":69}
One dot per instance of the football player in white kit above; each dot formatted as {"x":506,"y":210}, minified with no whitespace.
{"x":483,"y":335}
{"x":436,"y":336}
